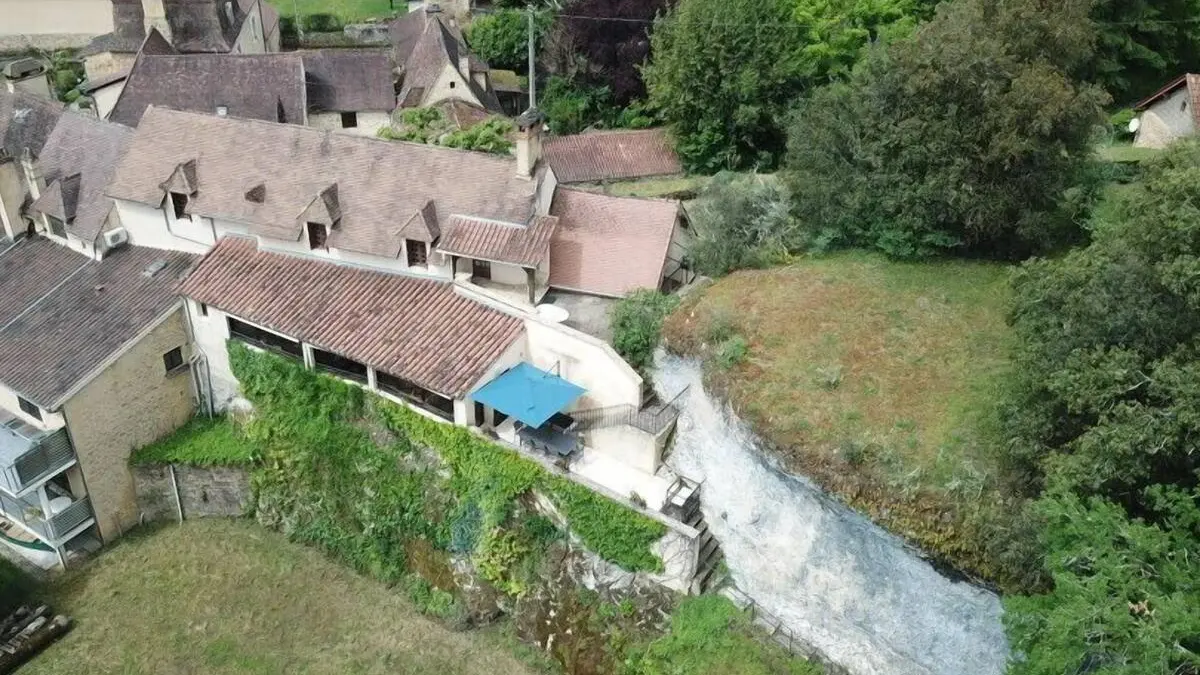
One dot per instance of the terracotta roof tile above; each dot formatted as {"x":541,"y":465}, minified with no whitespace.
{"x":62,"y":314}
{"x":381,"y":184}
{"x":413,"y":328}
{"x":609,"y":245}
{"x":513,"y":243}
{"x":611,"y":155}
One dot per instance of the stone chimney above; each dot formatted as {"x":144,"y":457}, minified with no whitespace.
{"x":529,"y":142}
{"x":155,"y":16}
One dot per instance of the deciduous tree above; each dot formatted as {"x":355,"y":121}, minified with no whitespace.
{"x":966,"y":135}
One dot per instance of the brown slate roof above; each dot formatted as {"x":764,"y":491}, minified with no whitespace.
{"x":349,"y":80}
{"x":84,"y":151}
{"x":1190,"y":80}
{"x":62,"y":315}
{"x":257,"y":86}
{"x":197,"y":26}
{"x":609,"y":245}
{"x":611,"y":155}
{"x":424,"y":44}
{"x":25,"y":122}
{"x":513,"y":243}
{"x":381,"y":184}
{"x":417,"y":329}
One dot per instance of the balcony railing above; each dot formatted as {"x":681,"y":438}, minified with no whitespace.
{"x":46,"y":455}
{"x":52,"y":529}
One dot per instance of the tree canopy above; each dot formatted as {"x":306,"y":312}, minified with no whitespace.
{"x":1143,"y":44}
{"x":966,"y":136}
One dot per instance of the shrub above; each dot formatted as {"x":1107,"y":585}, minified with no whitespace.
{"x":741,"y":222}
{"x":491,"y":135}
{"x":321,"y":23}
{"x":732,"y":352}
{"x":710,"y":635}
{"x":1118,"y":123}
{"x":637,"y":326}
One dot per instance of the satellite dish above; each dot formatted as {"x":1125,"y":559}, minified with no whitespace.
{"x":1134,"y":124}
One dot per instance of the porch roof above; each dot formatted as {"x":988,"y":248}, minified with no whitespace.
{"x":528,"y":394}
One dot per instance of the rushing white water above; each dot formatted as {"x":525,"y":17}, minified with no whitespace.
{"x":839,"y":582}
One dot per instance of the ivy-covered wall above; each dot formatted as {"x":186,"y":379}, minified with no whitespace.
{"x":372,"y":482}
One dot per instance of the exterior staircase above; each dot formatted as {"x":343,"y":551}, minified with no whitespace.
{"x":683,"y":503}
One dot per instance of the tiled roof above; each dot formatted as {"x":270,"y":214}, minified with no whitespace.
{"x":267,"y":87}
{"x":609,"y":245}
{"x":425,"y":44}
{"x":417,"y":329}
{"x":25,"y":122}
{"x":62,"y":315}
{"x":197,"y":26}
{"x":611,"y":155}
{"x":1190,"y":80}
{"x":513,"y":243}
{"x":87,"y":149}
{"x":381,"y":184}
{"x":349,"y":80}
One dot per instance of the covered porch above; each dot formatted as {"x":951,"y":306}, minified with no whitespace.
{"x":527,"y":408}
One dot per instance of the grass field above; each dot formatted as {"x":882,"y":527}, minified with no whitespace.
{"x":223,"y":596}
{"x":877,"y":379}
{"x":348,"y":10}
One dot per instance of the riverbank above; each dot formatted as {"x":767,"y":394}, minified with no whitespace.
{"x":879,"y":381}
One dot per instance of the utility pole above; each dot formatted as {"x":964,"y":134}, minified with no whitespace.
{"x":532,"y":74}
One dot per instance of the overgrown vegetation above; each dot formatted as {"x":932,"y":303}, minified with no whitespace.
{"x":431,"y":127}
{"x":709,"y":636}
{"x":203,"y":441}
{"x":637,"y":325}
{"x":741,"y":221}
{"x":327,"y":481}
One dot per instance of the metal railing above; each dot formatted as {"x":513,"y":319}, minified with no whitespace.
{"x":49,"y":455}
{"x":70,"y":518}
{"x":650,"y":419}
{"x":51,"y":529}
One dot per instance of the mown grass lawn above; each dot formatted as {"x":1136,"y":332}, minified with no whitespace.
{"x":226,"y":596}
{"x":878,"y":379}
{"x":348,"y":10}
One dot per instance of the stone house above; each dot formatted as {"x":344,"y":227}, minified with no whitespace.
{"x":1169,"y":113}
{"x":436,"y":63}
{"x":350,"y":89}
{"x":189,"y":26}
{"x":418,"y":272}
{"x":95,"y":361}
{"x":26,"y":121}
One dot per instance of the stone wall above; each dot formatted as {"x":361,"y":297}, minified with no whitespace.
{"x":203,"y":492}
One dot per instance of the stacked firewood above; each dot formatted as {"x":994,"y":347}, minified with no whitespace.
{"x":26,"y":632}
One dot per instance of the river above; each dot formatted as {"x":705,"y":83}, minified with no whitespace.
{"x":840,"y":583}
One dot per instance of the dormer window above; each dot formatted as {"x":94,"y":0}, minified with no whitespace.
{"x":57,"y":227}
{"x":179,"y":204}
{"x":418,"y":253}
{"x":317,"y":235}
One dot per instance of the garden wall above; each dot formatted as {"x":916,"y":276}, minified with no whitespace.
{"x":203,"y":491}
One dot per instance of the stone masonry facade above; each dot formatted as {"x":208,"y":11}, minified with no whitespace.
{"x":155,"y":404}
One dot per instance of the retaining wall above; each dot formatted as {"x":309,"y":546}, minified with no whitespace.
{"x":203,"y":492}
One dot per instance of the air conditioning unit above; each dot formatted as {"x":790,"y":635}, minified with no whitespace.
{"x":116,"y":237}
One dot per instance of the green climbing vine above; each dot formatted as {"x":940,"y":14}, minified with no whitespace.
{"x":365,"y":478}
